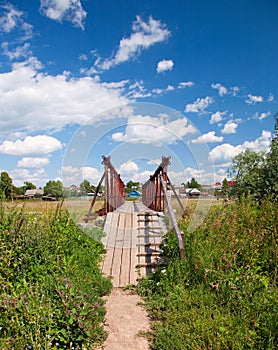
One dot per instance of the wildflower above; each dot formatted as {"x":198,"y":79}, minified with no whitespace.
{"x":96,"y":304}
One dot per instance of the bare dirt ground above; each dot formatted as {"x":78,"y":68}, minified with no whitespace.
{"x":125,"y":320}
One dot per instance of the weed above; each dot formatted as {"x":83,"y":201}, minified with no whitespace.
{"x":224,"y":294}
{"x":50,"y":283}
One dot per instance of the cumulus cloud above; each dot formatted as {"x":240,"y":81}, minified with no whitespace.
{"x":199,"y":105}
{"x":73,"y":175}
{"x":208,"y":138}
{"x":41,"y":144}
{"x":225,"y":152}
{"x":145,"y":34}
{"x":230,"y":127}
{"x":252,"y":99}
{"x":128,"y":168}
{"x":36,"y":176}
{"x":222,"y":90}
{"x":32,"y":162}
{"x":164,"y":65}
{"x":34,"y":101}
{"x":146,"y":129}
{"x":216,"y":117}
{"x":60,"y":10}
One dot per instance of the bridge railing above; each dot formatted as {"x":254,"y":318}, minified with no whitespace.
{"x":155,"y":197}
{"x":114,"y":195}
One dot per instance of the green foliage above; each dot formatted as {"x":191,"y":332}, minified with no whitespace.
{"x":270,"y":172}
{"x":6,"y":185}
{"x":54,"y":188}
{"x":256,"y":173}
{"x":247,"y":172}
{"x":50,"y":283}
{"x":224,"y":295}
{"x":85,"y":187}
{"x":193,"y":184}
{"x":131,"y":185}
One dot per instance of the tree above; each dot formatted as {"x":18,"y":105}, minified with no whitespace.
{"x":256,"y":172}
{"x":6,"y":185}
{"x":270,"y":171}
{"x":247,"y":172}
{"x":54,"y":188}
{"x":131,"y":186}
{"x":193,"y":184}
{"x":85,"y":187}
{"x":29,"y":186}
{"x":225,"y":188}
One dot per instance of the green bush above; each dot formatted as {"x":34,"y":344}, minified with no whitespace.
{"x":224,"y":294}
{"x":50,"y":283}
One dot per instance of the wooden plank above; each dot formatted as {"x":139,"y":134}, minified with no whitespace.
{"x":133,"y":253}
{"x":125,"y":265}
{"x":117,"y":259}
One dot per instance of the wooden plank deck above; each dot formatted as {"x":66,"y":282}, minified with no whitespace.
{"x":123,"y":230}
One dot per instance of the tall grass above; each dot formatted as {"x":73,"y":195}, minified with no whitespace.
{"x":224,"y":295}
{"x":50,"y":283}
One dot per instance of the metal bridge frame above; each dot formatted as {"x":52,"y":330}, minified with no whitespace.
{"x":155,"y":197}
{"x":114,"y":190}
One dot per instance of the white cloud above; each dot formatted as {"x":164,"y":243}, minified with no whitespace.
{"x":154,"y":161}
{"x":36,"y":176}
{"x":199,"y":105}
{"x":225,"y":152}
{"x":230,"y":127}
{"x":40,"y":144}
{"x":128,"y":168}
{"x":252,"y":99}
{"x":235,"y":90}
{"x":17,"y":52}
{"x":29,"y":162}
{"x":164,"y":65}
{"x":72,"y":175}
{"x":208,"y":138}
{"x":12,"y":19}
{"x":145,"y":34}
{"x":270,"y":97}
{"x":147,"y":129}
{"x":69,"y":10}
{"x":217,"y":117}
{"x":34,"y":101}
{"x":221,"y":89}
{"x":184,"y":84}
{"x":262,"y":115}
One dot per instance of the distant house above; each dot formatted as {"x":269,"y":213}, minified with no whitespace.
{"x":37,"y":192}
{"x":193,"y":192}
{"x":218,"y":186}
{"x":74,"y":188}
{"x":134,"y":194}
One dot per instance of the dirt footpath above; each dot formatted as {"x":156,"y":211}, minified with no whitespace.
{"x":124,"y":320}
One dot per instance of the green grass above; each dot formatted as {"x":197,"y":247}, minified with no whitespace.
{"x":224,"y":294}
{"x":50,"y":282}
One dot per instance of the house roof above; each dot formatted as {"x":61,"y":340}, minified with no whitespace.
{"x":33,"y":192}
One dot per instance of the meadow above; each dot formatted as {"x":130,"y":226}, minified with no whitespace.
{"x":224,"y":294}
{"x":50,"y":282}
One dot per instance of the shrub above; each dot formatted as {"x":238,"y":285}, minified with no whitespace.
{"x":50,"y":282}
{"x":224,"y":294}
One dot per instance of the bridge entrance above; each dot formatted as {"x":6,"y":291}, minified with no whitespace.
{"x":134,"y":230}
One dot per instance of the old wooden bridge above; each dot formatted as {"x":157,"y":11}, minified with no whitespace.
{"x":134,"y":230}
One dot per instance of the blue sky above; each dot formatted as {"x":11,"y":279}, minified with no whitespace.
{"x":196,"y":80}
